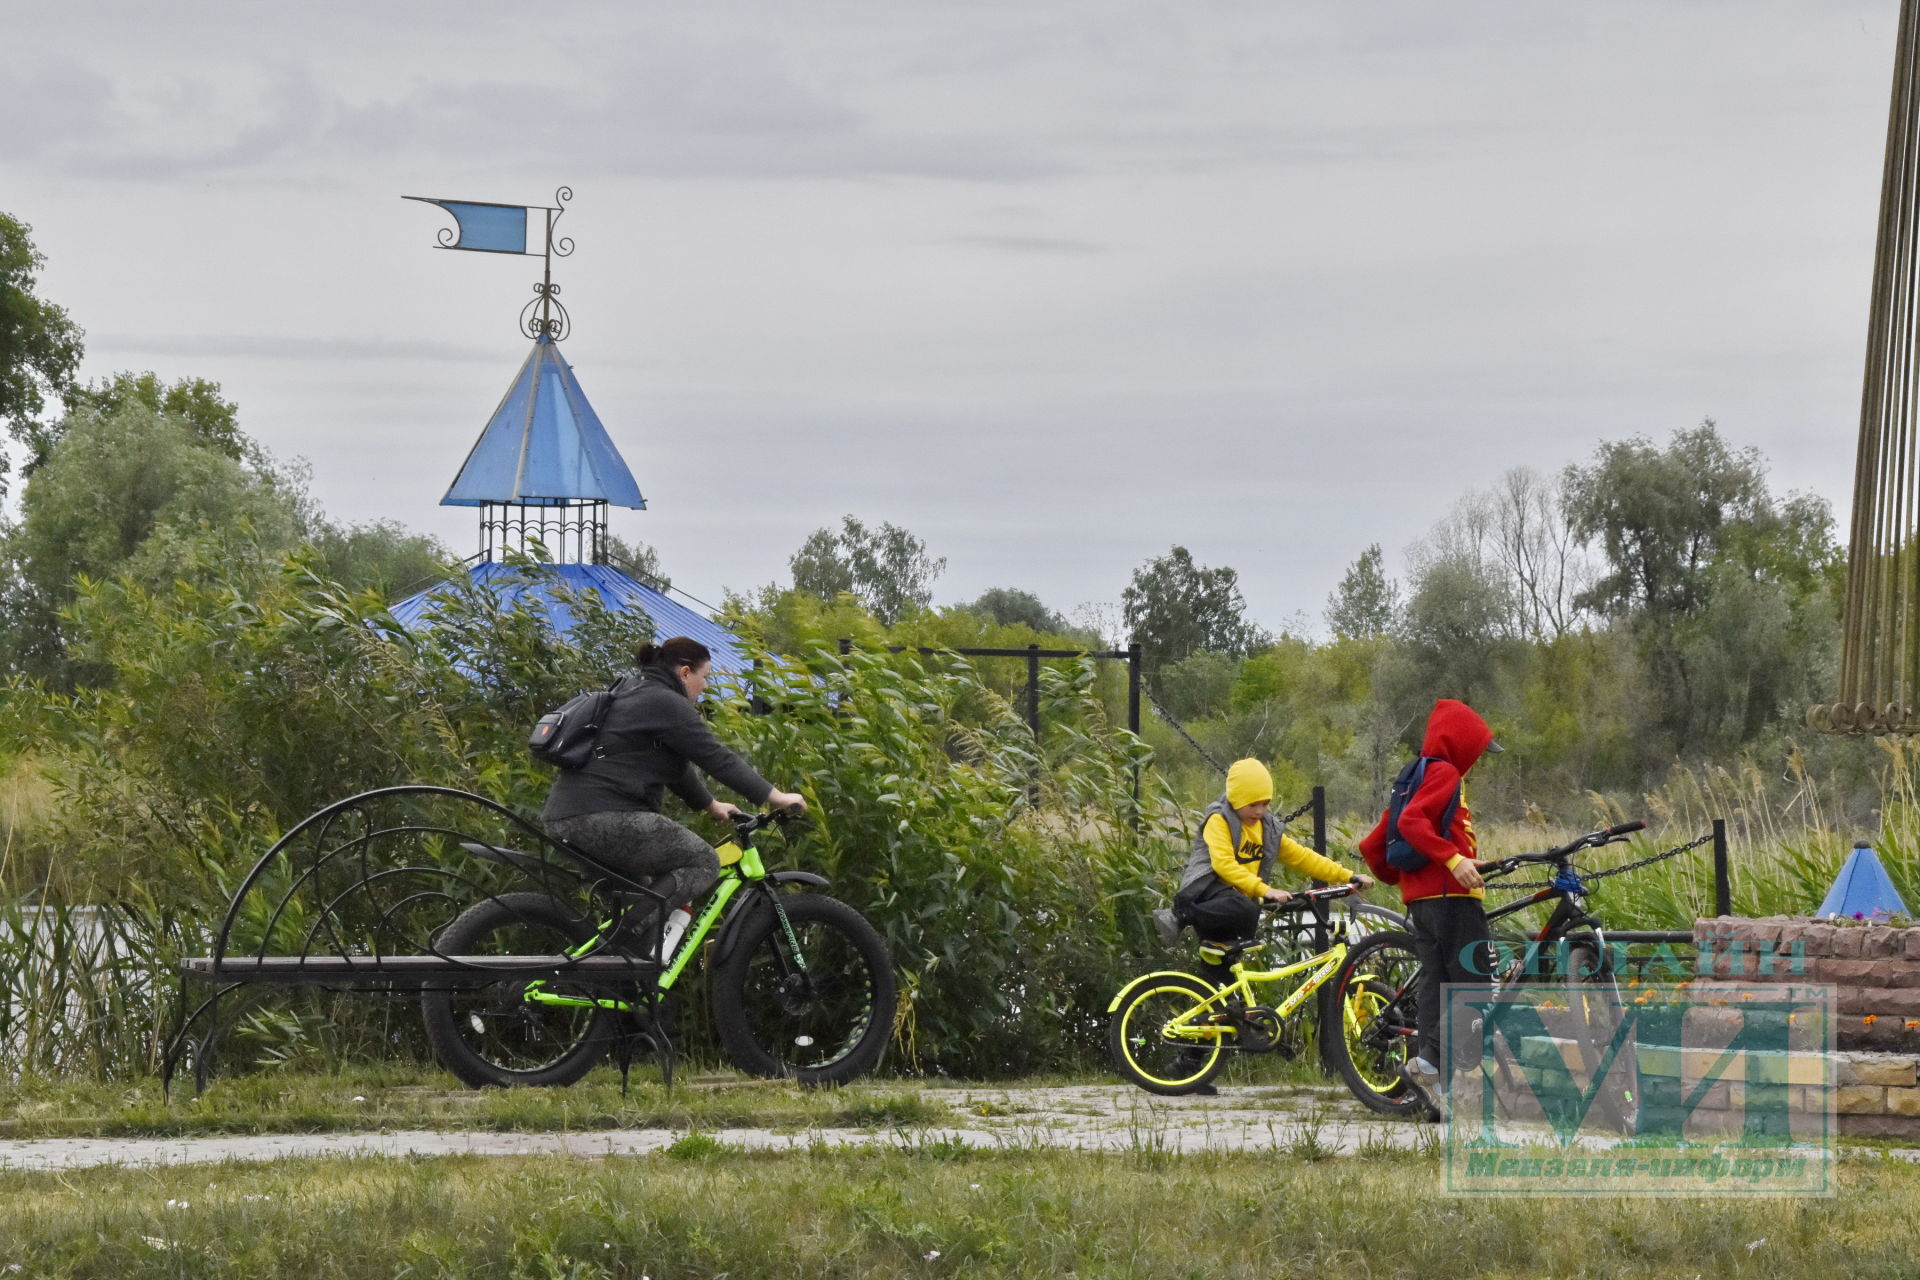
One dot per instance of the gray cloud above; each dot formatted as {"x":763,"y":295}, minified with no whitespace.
{"x":1030,"y":244}
{"x":213,"y":346}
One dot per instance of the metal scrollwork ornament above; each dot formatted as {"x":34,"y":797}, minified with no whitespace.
{"x":544,"y":317}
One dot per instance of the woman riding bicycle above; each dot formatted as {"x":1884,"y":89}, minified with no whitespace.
{"x":653,"y":739}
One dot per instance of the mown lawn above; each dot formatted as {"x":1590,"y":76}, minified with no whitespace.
{"x":918,"y":1209}
{"x":375,"y":1097}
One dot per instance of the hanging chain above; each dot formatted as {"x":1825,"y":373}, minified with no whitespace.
{"x":1179,"y":728}
{"x":1620,"y":870}
{"x":1286,"y":818}
{"x":1203,"y":752}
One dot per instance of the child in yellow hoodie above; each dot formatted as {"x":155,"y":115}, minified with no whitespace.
{"x":1232,"y":861}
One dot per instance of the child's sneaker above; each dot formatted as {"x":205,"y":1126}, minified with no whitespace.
{"x":1167,"y":926}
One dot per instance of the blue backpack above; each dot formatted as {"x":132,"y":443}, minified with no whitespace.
{"x":1400,"y":854}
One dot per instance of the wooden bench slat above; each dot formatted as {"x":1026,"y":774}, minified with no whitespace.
{"x":283,"y":968}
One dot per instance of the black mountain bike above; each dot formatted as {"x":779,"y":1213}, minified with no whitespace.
{"x":801,"y":986}
{"x":1380,"y":981}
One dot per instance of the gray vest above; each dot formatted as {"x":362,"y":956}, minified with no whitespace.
{"x":1200,"y":860}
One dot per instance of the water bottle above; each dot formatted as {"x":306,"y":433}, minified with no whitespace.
{"x":676,"y":929}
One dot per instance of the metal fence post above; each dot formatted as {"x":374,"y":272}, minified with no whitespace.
{"x":1320,"y":820}
{"x":1133,"y":689}
{"x":1033,"y":692}
{"x":1133,"y":718}
{"x":1722,"y":877}
{"x":1033,"y":720}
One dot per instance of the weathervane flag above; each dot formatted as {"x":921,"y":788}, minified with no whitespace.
{"x":487,"y":228}
{"x":502,"y":228}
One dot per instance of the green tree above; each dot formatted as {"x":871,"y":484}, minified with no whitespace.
{"x":1010,"y":605}
{"x":40,"y":346}
{"x":379,"y":555}
{"x":887,"y":569}
{"x":136,"y":492}
{"x":193,"y":403}
{"x":1660,"y":516}
{"x":1456,"y":627}
{"x":1729,"y":594}
{"x":638,"y":559}
{"x":1176,"y":606}
{"x":1367,"y":602}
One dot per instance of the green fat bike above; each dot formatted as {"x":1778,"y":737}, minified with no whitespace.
{"x":1170,"y":1032}
{"x":801,"y":985}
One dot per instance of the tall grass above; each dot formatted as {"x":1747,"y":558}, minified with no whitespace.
{"x":1785,"y":834}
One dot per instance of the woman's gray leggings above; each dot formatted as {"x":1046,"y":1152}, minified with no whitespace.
{"x":646,"y":847}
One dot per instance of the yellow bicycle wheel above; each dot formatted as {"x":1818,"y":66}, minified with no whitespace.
{"x":1147,"y":1048}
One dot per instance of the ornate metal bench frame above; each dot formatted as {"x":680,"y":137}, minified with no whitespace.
{"x":331,"y":906}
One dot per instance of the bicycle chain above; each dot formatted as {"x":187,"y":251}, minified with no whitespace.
{"x":1622,"y":869}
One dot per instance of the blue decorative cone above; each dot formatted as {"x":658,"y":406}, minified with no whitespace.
{"x":544,"y":445}
{"x":1862,"y":888}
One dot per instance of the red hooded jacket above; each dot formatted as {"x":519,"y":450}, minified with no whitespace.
{"x":1456,"y":738}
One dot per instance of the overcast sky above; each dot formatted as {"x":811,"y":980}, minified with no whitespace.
{"x":1054,"y":285}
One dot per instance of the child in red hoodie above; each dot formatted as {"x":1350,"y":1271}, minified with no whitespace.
{"x":1444,"y":896}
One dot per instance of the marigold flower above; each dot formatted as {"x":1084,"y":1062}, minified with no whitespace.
{"x":1868,"y":1020}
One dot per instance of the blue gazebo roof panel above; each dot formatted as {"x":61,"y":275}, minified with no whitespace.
{"x":617,"y":590}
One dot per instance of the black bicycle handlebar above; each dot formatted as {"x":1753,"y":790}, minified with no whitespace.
{"x":1301,"y":898}
{"x":1591,"y":840}
{"x":748,"y":823}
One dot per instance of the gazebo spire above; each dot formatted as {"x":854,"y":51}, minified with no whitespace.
{"x":544,"y":471}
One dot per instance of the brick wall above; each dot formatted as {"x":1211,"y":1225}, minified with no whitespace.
{"x":1875,"y":972}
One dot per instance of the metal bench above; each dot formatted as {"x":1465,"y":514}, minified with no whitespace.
{"x":355,"y":896}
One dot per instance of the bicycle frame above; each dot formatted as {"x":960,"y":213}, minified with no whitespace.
{"x":1569,"y":913}
{"x":740,"y":868}
{"x":1323,"y":965}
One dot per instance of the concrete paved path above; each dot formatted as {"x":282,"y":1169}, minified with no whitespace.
{"x":1296,"y":1119}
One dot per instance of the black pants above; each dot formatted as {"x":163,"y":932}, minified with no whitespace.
{"x":1450,"y":936}
{"x":1218,"y":912}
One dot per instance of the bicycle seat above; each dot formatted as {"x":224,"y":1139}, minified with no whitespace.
{"x":1231,"y":951}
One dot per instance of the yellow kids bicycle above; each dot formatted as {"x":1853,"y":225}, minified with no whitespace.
{"x":1170,"y":1032}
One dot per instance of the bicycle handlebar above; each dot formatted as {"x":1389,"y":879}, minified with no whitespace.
{"x":748,"y":823}
{"x":1591,"y":840}
{"x":1300,"y":900}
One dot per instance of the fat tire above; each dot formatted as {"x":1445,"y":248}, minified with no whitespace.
{"x":579,"y":1037}
{"x":1121,"y":1031}
{"x":1355,"y":985}
{"x":758,"y":952}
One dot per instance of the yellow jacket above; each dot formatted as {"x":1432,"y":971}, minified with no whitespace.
{"x":1246,"y":866}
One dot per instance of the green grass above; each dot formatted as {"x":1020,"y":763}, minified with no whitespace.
{"x":401,"y":1098}
{"x":914,"y":1212}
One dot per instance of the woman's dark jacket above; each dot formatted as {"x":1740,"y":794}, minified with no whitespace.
{"x":653,"y":738}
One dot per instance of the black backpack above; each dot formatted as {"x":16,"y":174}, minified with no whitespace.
{"x":567,"y":738}
{"x":1400,"y":854}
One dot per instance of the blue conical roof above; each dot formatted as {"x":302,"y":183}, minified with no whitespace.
{"x":544,"y":444}
{"x":544,"y":592}
{"x":1863,"y":888}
